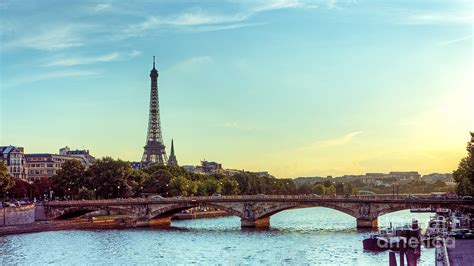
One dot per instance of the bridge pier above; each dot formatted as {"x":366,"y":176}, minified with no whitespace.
{"x":160,"y":222}
{"x":367,"y":222}
{"x":255,"y":223}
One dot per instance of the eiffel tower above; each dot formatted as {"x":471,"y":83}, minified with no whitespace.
{"x":154,"y":153}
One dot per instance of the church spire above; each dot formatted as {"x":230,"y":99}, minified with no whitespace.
{"x":172,"y":159}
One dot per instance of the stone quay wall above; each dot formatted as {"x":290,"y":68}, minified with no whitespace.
{"x":18,"y":215}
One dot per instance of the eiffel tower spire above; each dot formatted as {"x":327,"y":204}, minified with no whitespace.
{"x":172,"y":161}
{"x":154,"y":152}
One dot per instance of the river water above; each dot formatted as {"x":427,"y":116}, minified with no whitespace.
{"x":302,"y":236}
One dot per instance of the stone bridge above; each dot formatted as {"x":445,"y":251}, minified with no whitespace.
{"x":254,"y":211}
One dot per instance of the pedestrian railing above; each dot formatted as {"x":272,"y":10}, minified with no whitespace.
{"x":312,"y":198}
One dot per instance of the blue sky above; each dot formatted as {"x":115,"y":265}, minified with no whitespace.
{"x":297,"y":88}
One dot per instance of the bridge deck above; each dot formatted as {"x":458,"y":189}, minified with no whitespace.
{"x":270,"y":198}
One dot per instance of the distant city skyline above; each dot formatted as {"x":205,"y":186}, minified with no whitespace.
{"x":296,"y":88}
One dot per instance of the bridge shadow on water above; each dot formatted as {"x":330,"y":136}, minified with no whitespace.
{"x":312,"y":220}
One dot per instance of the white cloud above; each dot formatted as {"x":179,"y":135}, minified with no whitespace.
{"x":279,"y":4}
{"x":332,"y":142}
{"x":332,"y":4}
{"x":74,"y":61}
{"x":203,"y":21}
{"x":134,"y":53}
{"x":198,"y":18}
{"x":101,"y":7}
{"x":50,"y":39}
{"x":49,"y":76}
{"x":202,"y":18}
{"x":191,"y":63}
{"x":438,"y":18}
{"x":453,"y":41}
{"x":207,"y":28}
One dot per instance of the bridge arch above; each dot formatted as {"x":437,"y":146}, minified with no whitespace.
{"x":396,"y":208}
{"x":76,"y":212}
{"x":283,"y":207}
{"x":172,"y":209}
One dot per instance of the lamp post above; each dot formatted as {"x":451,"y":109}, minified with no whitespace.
{"x":118,"y":191}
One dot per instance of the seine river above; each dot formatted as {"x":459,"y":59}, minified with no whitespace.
{"x":303,"y":236}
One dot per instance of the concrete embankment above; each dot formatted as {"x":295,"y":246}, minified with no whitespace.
{"x":21,"y":220}
{"x":57,"y":226}
{"x":18,"y":215}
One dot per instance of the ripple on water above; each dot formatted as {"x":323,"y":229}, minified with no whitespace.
{"x":302,"y":236}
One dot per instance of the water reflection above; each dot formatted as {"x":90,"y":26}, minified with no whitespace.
{"x":299,"y":236}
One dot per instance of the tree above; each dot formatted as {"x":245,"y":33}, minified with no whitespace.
{"x":305,"y":189}
{"x":158,"y":182}
{"x":330,"y":190}
{"x":41,"y":187}
{"x":6,"y":180}
{"x":242,"y":179}
{"x":181,"y":186}
{"x":349,"y":189}
{"x":21,"y":189}
{"x":439,"y":184}
{"x":328,"y":183}
{"x":111,"y":178}
{"x":464,"y":175}
{"x":212,"y":186}
{"x":86,"y":194}
{"x":319,"y":189}
{"x":230,"y":186}
{"x":200,"y":188}
{"x":339,"y":188}
{"x":137,"y":180}
{"x":70,"y":179}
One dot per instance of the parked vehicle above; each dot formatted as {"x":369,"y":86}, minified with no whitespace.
{"x":216,"y":195}
{"x":467,"y":198}
{"x":461,"y":234}
{"x":365,"y":193}
{"x":439,"y":195}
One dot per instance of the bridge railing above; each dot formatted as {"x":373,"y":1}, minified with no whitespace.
{"x":256,"y":198}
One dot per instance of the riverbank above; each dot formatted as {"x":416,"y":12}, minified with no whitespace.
{"x":105,"y":222}
{"x":57,"y":226}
